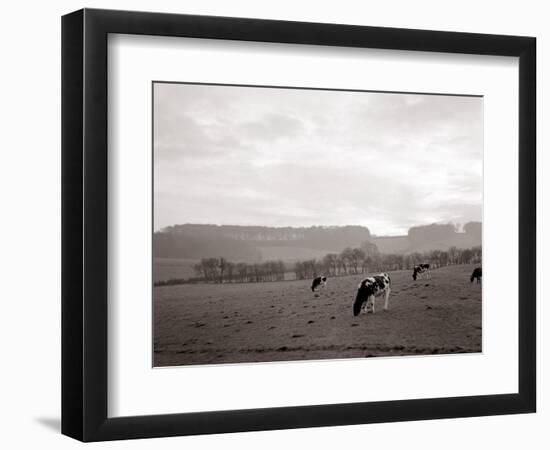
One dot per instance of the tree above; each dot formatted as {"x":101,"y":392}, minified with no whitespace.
{"x":222,"y":264}
{"x":476,"y":254}
{"x":466,"y":256}
{"x":197,"y":268}
{"x":453,"y":255}
{"x":346,"y":258}
{"x":330,"y":261}
{"x":435,"y":257}
{"x":229,"y":269}
{"x":280,"y":270}
{"x":257,"y":272}
{"x":370,"y":249}
{"x":357,"y":257}
{"x":240,"y":269}
{"x":372,"y":256}
{"x":210,"y":268}
{"x":349,"y":261}
{"x":444,"y":259}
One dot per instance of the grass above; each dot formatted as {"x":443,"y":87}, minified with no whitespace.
{"x":283,"y":321}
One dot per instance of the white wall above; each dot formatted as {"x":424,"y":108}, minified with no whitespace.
{"x":30,"y":234}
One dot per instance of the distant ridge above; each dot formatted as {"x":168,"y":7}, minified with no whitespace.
{"x":244,"y":242}
{"x":264,"y":233}
{"x":256,"y":243}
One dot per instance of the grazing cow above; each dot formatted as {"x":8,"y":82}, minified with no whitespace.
{"x":476,"y":274}
{"x":319,"y":281}
{"x":421,"y":269}
{"x":368,"y":290}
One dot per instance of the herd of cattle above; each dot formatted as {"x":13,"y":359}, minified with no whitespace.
{"x":378,"y":285}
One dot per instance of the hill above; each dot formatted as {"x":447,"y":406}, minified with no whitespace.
{"x":252,"y":243}
{"x":430,"y":237}
{"x":289,"y":244}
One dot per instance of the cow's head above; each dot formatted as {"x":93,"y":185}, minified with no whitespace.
{"x":360,"y":299}
{"x":415,"y":273}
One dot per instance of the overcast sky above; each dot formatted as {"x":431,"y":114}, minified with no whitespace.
{"x":291,"y":157}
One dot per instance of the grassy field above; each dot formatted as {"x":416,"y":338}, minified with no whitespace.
{"x":281,"y":321}
{"x":167,"y":268}
{"x":175,"y":268}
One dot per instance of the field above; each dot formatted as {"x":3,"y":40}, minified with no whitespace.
{"x":282,"y":321}
{"x":167,"y":268}
{"x":179,"y":268}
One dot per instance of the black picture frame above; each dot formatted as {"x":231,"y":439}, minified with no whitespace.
{"x":84,"y":224}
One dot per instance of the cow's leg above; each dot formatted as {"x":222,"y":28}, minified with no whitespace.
{"x":387,"y":298}
{"x":372,"y":297}
{"x":365,"y":306}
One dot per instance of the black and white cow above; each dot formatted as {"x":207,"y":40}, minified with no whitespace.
{"x":319,"y":281}
{"x":368,"y":290}
{"x":476,"y":274}
{"x":422,"y":270}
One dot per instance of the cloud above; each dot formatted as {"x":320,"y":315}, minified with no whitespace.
{"x":288,"y":157}
{"x":272,"y":127}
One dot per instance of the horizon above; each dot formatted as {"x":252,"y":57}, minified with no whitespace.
{"x":459,"y":227}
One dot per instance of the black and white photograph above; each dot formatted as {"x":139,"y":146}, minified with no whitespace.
{"x":311,"y":224}
{"x":274,"y":225}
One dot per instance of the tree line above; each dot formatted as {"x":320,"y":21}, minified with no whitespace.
{"x":350,"y":261}
{"x":367,"y":258}
{"x":220,"y":270}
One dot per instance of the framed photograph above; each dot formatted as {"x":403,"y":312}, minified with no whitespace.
{"x":271,"y":224}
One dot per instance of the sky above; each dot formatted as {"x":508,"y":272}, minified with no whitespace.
{"x":233,"y":155}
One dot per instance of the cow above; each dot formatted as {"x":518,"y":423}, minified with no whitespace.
{"x":421,"y":269}
{"x":476,"y":274}
{"x":369,"y":289}
{"x":318,"y":281}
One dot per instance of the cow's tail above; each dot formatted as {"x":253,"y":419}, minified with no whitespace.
{"x":472,"y":277}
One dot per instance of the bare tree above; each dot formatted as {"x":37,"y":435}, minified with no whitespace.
{"x":476,"y":254}
{"x":453,"y":255}
{"x":229,"y":270}
{"x":350,"y":261}
{"x":242,"y":269}
{"x":222,"y":264}
{"x":331,"y":263}
{"x":346,"y":258}
{"x":357,"y":257}
{"x":197,"y":268}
